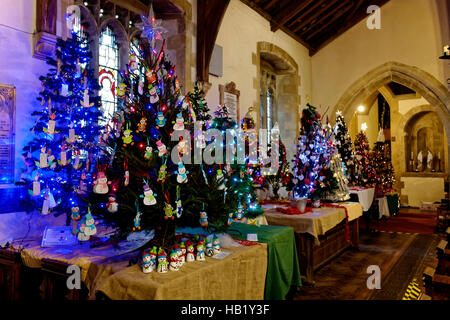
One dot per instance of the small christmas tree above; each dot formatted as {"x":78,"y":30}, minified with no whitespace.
{"x":344,"y":145}
{"x":365,"y":174}
{"x":62,"y":153}
{"x":383,"y":165}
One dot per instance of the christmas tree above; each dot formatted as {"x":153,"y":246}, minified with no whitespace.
{"x":383,"y":164}
{"x":63,"y":150}
{"x":344,"y":145}
{"x":312,"y":154}
{"x":332,"y":183}
{"x":365,"y":174}
{"x":239,"y":182}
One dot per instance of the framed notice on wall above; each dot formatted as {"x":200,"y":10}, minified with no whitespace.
{"x":229,"y":97}
{"x":7,"y":132}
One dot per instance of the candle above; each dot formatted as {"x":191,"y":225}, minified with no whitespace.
{"x":43,"y":160}
{"x":63,"y":158}
{"x":439,"y":155}
{"x":412,"y":155}
{"x":446,"y":50}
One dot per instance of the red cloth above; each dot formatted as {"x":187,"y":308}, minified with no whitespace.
{"x":347,"y":228}
{"x":293,"y":211}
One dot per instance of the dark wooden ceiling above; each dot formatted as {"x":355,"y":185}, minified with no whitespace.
{"x":314,"y":23}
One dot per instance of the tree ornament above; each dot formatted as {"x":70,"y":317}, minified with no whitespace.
{"x":112,"y":206}
{"x":90,"y":223}
{"x":153,"y":92}
{"x":75,"y":216}
{"x":141,"y":86}
{"x":182,"y":147}
{"x":149,"y":197}
{"x":162,"y":261}
{"x":160,"y":120}
{"x":190,"y":257}
{"x":179,"y":207}
{"x":200,"y":139}
{"x":36,"y":186}
{"x":85,"y":103}
{"x":162,"y":150}
{"x":51,"y":160}
{"x":63,"y":159}
{"x":133,"y":64}
{"x":51,"y":125}
{"x":200,"y":251}
{"x":220,"y":178}
{"x":203,"y":218}
{"x":121,"y":90}
{"x":43,"y":158}
{"x":101,"y":184}
{"x":182,"y":173}
{"x":168,"y":211}
{"x":216,"y":245}
{"x":179,"y":122}
{"x":174,"y":264}
{"x":77,"y":163}
{"x":240,"y":212}
{"x":72,"y":137}
{"x":182,"y":255}
{"x":127,"y":137}
{"x":141,"y":125}
{"x":137,"y":218}
{"x":162,"y":173}
{"x":146,"y":265}
{"x":209,"y":251}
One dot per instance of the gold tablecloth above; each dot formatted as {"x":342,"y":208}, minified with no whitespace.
{"x":240,"y":276}
{"x":96,"y":263}
{"x":315,"y":223}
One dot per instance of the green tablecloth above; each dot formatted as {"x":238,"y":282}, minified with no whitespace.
{"x":393,"y":204}
{"x":283,"y":271}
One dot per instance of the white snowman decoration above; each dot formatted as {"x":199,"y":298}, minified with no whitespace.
{"x":149,"y":196}
{"x":101,"y":184}
{"x":112,"y":205}
{"x":162,"y":150}
{"x":154,"y":97}
{"x":90,"y":223}
{"x":199,"y":135}
{"x":182,"y":173}
{"x":179,"y":122}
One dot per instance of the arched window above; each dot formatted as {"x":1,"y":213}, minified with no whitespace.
{"x":268,"y":116}
{"x":108,"y":71}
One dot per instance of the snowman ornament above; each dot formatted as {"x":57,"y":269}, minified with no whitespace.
{"x":199,"y":135}
{"x":101,"y":184}
{"x":182,"y":173}
{"x":112,"y":205}
{"x":162,"y":150}
{"x":179,"y":123}
{"x":149,"y":196}
{"x":160,"y":120}
{"x":154,"y":98}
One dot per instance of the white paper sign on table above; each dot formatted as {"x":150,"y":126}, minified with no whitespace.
{"x":252,"y":237}
{"x":221,"y":255}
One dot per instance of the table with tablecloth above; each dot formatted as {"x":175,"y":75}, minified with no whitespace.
{"x":96,"y":264}
{"x":321,"y":234}
{"x":283,"y":272}
{"x":239,"y":276}
{"x":365,"y":196}
{"x":317,"y":222}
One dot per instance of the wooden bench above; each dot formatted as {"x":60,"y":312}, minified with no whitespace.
{"x":54,"y":283}
{"x":10,"y":267}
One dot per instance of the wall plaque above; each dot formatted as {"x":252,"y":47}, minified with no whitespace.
{"x":229,"y":96}
{"x":7,"y":133}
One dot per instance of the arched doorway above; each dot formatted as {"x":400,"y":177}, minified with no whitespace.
{"x":435,"y":96}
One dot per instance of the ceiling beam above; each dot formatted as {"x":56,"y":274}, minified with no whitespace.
{"x":350,"y":22}
{"x":133,"y":5}
{"x":336,"y":13}
{"x":288,"y":13}
{"x":210,"y":14}
{"x":311,"y":17}
{"x":270,"y":4}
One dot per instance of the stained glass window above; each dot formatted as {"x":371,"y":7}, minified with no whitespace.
{"x":108,"y":71}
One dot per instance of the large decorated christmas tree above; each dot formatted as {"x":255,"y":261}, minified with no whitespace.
{"x":62,"y":154}
{"x":312,"y":154}
{"x":365,"y":174}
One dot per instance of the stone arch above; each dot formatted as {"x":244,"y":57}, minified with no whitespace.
{"x":418,"y":80}
{"x":288,"y":82}
{"x":90,"y":23}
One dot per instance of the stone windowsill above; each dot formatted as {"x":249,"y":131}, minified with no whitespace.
{"x":425,"y":174}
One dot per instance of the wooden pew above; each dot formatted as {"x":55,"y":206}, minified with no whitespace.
{"x":10,"y":267}
{"x":54,"y":284}
{"x":437,"y":278}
